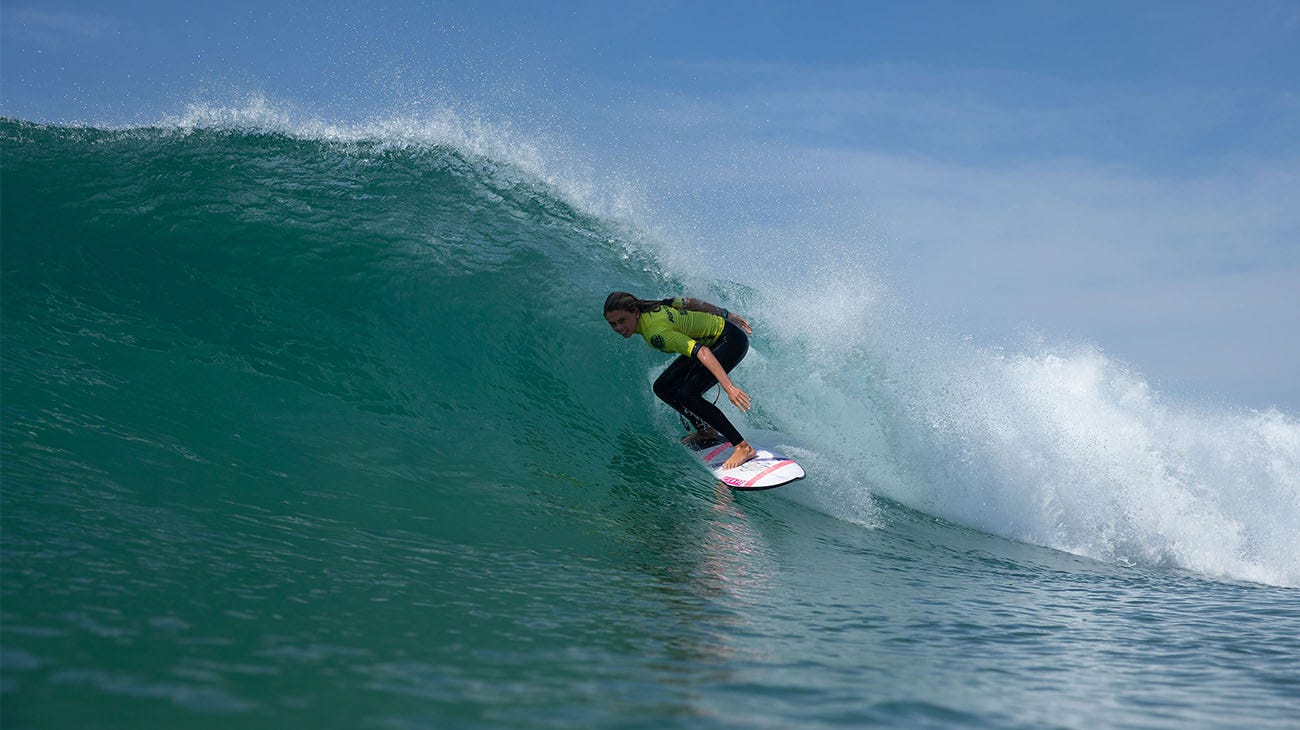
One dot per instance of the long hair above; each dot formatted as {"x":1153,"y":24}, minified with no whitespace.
{"x":621,"y":301}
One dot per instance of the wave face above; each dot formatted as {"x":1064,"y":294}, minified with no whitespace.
{"x":185,"y":299}
{"x":232,"y":313}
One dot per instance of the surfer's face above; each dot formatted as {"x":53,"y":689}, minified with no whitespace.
{"x":623,"y":322}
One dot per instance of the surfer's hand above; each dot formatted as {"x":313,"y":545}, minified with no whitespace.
{"x":740,"y":322}
{"x":739,"y":398}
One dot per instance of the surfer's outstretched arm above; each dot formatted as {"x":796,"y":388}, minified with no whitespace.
{"x":738,"y":397}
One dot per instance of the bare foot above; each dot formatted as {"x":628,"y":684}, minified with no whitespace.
{"x":744,"y":452}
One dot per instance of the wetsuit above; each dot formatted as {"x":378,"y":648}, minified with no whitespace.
{"x":675,"y":329}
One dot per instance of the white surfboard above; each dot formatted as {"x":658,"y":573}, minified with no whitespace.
{"x":767,"y":470}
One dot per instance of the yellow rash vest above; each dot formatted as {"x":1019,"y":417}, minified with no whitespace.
{"x":676,"y":330}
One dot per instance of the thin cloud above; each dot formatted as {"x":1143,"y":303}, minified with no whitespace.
{"x":61,"y":28}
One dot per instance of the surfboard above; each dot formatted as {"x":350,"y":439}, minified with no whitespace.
{"x":767,"y":470}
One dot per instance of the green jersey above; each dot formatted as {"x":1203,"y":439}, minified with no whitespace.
{"x":676,"y":330}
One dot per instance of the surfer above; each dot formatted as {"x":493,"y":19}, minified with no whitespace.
{"x":710,"y":342}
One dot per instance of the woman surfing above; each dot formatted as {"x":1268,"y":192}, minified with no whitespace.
{"x":710,"y":341}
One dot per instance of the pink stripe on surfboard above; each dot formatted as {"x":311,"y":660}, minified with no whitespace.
{"x":767,"y":471}
{"x":717,"y":451}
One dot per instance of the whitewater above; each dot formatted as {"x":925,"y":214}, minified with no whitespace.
{"x":314,"y":424}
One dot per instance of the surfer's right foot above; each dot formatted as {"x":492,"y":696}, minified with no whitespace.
{"x":744,"y":452}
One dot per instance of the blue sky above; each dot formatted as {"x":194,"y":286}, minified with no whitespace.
{"x":1120,"y":173}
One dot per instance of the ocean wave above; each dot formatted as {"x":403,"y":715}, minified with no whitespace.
{"x":420,"y":297}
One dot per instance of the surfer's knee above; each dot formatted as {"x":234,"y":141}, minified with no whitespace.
{"x":673,"y":390}
{"x":664,"y":389}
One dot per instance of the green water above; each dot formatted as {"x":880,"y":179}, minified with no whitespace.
{"x":312,"y":432}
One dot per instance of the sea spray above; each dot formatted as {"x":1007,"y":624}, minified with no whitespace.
{"x":1058,"y":446}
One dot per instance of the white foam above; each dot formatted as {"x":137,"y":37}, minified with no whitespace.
{"x":1062,"y":447}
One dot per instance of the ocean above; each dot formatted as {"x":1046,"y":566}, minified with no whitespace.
{"x":323,"y":427}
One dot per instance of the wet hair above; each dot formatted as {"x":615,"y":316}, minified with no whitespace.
{"x":621,"y":301}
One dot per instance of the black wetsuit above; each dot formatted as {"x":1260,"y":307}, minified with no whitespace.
{"x":683,"y":384}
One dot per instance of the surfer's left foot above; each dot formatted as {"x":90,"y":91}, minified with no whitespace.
{"x":744,"y":452}
{"x":700,"y":439}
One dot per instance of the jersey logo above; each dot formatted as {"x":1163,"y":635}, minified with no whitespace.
{"x":657,"y":342}
{"x":671,"y":318}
